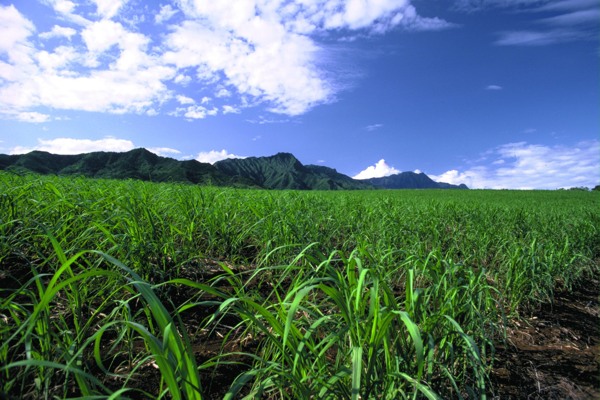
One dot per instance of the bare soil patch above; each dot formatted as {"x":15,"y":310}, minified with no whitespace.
{"x":555,"y":353}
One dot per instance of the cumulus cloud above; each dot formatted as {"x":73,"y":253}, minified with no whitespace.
{"x":108,"y":8}
{"x":166,"y":13}
{"x":77,"y":146}
{"x":184,"y":99}
{"x":194,"y":112}
{"x":380,"y":169}
{"x":67,"y":10}
{"x":69,"y":78}
{"x":280,"y":71}
{"x":264,"y":50}
{"x":532,"y":166}
{"x":260,"y":52}
{"x":34,"y":117}
{"x":227,"y":109}
{"x":213,"y":156}
{"x":58,"y":31}
{"x":26,"y":116}
{"x":15,"y":31}
{"x":222,"y":92}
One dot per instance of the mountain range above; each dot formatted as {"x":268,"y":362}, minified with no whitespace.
{"x":280,"y":171}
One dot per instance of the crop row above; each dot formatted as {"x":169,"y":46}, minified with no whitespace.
{"x":129,"y":288}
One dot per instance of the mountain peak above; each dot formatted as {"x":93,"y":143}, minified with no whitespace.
{"x":410,"y":180}
{"x":284,"y":155}
{"x":280,"y":171}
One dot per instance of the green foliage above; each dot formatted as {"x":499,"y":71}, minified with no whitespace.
{"x":281,"y":171}
{"x":284,"y":171}
{"x":134,"y":164}
{"x":410,"y":180}
{"x":392,"y":294}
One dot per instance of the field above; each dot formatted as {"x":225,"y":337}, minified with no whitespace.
{"x":116,"y":289}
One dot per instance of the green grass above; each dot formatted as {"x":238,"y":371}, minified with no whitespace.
{"x":113,"y":289}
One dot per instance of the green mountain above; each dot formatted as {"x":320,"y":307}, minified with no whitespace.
{"x":411,"y":180}
{"x":135,"y":164}
{"x":281,"y":171}
{"x":284,"y":171}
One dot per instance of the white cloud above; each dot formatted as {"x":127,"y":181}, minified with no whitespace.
{"x":265,"y":51}
{"x":262,"y":48}
{"x":60,"y":58}
{"x":230,"y":110}
{"x":26,"y":116}
{"x":59,"y":31}
{"x":66,"y":9}
{"x":579,"y":17}
{"x":533,"y":166}
{"x":62,"y":6}
{"x":182,"y":79}
{"x":380,"y":169}
{"x":493,"y":87}
{"x":166,"y":13}
{"x":32,"y":116}
{"x":474,"y":178}
{"x":77,"y":146}
{"x":184,"y":99}
{"x":373,"y":127}
{"x":58,"y":78}
{"x":163,"y":151}
{"x":222,"y":92}
{"x":15,"y":31}
{"x":568,"y":5}
{"x":109,"y":8}
{"x":537,"y":38}
{"x":195,"y":112}
{"x":263,"y":121}
{"x":572,"y":20}
{"x":270,"y":64}
{"x":213,"y":156}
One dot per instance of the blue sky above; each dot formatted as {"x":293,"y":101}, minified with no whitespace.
{"x":490,"y":93}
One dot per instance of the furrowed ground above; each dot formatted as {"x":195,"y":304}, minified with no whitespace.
{"x":144,"y":290}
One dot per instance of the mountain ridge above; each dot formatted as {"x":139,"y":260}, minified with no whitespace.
{"x":414,"y":180}
{"x":279,"y":171}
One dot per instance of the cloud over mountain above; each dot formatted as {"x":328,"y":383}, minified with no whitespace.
{"x":380,"y":169}
{"x":77,"y":146}
{"x":523,"y":165}
{"x":213,"y":156}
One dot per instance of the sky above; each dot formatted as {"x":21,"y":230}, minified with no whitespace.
{"x":489,"y":93}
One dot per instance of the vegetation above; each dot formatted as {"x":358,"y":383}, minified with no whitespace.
{"x":284,"y":171}
{"x":135,"y":164}
{"x":281,"y":171}
{"x":116,"y":289}
{"x":411,"y":180}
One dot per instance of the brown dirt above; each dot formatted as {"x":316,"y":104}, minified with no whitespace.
{"x":554,"y":354}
